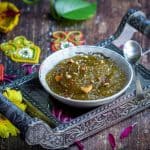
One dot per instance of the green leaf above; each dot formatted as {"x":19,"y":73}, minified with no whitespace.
{"x":30,"y":2}
{"x":75,"y":9}
{"x":52,"y":9}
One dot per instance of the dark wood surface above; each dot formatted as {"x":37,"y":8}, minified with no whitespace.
{"x":35,"y":21}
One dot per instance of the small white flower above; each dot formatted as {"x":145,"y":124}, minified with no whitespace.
{"x":25,"y":53}
{"x":66,"y":44}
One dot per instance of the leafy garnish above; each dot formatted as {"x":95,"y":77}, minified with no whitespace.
{"x":75,"y":9}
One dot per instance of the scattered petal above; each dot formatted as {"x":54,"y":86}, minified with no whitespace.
{"x":7,"y":79}
{"x":60,"y":116}
{"x":111,"y":140}
{"x":66,"y":119}
{"x":58,"y":113}
{"x":127,"y":131}
{"x":30,"y":68}
{"x":10,"y":76}
{"x":25,"y":65}
{"x":79,"y":145}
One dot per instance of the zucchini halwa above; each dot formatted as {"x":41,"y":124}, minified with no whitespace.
{"x":86,"y":77}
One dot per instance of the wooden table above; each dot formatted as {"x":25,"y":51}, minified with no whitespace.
{"x":35,"y":21}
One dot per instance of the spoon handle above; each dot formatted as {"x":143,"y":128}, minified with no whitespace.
{"x":139,"y":90}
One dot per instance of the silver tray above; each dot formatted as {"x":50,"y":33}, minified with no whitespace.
{"x":56,"y":135}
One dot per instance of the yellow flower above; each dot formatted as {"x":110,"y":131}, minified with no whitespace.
{"x":6,"y":127}
{"x":9,"y":16}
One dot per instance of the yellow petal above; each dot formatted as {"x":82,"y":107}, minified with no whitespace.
{"x":6,"y":127}
{"x":7,"y":23}
{"x":13,"y":95}
{"x":11,"y":128}
{"x":22,"y":106}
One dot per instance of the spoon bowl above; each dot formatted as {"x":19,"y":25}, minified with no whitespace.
{"x":132,"y":52}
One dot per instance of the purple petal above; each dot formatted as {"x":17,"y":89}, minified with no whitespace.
{"x":55,"y":112}
{"x":111,"y":140}
{"x":65,"y":119}
{"x":80,"y":145}
{"x":26,"y":65}
{"x":59,"y":115}
{"x":29,"y":70}
{"x":10,"y":76}
{"x":7,"y":79}
{"x":127,"y":131}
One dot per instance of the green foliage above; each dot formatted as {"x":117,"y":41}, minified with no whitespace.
{"x":70,"y":9}
{"x":75,"y":9}
{"x":30,"y":2}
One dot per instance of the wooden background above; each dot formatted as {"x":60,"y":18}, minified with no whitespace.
{"x":35,"y":21}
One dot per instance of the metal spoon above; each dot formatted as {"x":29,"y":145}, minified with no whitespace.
{"x":132,"y":52}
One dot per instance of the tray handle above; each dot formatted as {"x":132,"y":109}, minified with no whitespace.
{"x":140,"y":22}
{"x":19,"y":118}
{"x":32,"y":129}
{"x":133,"y":21}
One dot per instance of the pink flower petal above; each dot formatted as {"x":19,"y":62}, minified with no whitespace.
{"x":7,"y":79}
{"x":127,"y":131}
{"x":29,"y":70}
{"x":25,"y":65}
{"x":58,"y":113}
{"x":10,"y":76}
{"x":55,"y":112}
{"x":112,"y":141}
{"x":80,"y":145}
{"x":66,"y":119}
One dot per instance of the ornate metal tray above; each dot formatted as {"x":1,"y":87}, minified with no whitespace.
{"x":56,"y":135}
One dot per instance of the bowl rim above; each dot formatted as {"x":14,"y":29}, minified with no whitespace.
{"x":79,"y":101}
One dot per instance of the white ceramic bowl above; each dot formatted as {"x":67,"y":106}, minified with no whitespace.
{"x":58,"y":56}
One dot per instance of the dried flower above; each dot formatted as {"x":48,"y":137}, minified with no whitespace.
{"x":127,"y":131}
{"x":58,"y":113}
{"x":30,"y":68}
{"x":80,"y":145}
{"x":9,"y":78}
{"x":60,"y":116}
{"x":111,"y":140}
